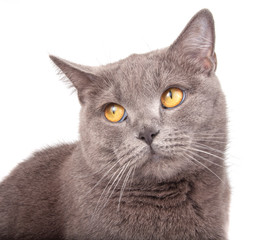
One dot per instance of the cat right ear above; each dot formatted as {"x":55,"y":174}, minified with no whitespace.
{"x":195,"y":45}
{"x":81,"y":77}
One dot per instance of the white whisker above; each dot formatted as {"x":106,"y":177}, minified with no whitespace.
{"x":118,"y":178}
{"x":213,"y":155}
{"x":208,"y":140}
{"x":207,"y":147}
{"x":204,"y":166}
{"x":117,"y":171}
{"x":106,"y":174}
{"x":123,"y":187}
{"x":120,"y":170}
{"x":103,"y":168}
{"x":208,"y":133}
{"x":205,"y":159}
{"x":210,"y":137}
{"x":133,"y":174}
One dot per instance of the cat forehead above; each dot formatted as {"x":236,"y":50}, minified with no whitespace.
{"x":143,"y":75}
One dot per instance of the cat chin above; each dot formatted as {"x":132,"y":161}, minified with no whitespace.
{"x":161,"y":168}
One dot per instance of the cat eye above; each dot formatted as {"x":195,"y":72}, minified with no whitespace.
{"x":172,"y":97}
{"x":115,"y":113}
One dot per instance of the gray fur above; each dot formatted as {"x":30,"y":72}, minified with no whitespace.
{"x":111,"y":184}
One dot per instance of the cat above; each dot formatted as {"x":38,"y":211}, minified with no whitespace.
{"x":150,"y":162}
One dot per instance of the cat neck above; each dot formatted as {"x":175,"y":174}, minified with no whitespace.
{"x":164,"y":194}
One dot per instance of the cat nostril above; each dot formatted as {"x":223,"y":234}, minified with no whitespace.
{"x":148,"y":135}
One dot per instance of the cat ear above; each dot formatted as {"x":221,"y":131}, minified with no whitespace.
{"x":195,"y":45}
{"x":80,"y":76}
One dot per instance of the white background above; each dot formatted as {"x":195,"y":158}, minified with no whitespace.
{"x":37,"y":109}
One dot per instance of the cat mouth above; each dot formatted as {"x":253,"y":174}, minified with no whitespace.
{"x":155,"y":165}
{"x":155,"y":156}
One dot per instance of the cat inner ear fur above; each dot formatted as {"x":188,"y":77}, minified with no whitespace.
{"x":195,"y":45}
{"x":81,"y":77}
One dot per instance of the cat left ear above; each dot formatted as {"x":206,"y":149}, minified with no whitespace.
{"x":80,"y":76}
{"x":196,"y":43}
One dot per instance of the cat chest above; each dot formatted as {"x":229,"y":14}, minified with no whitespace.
{"x":146,"y":222}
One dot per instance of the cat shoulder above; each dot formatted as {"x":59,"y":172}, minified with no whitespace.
{"x":29,"y":196}
{"x":41,"y":163}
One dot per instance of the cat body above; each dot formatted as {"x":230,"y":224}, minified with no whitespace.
{"x":156,"y":172}
{"x":53,"y":204}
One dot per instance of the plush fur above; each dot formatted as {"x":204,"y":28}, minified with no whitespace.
{"x":159,"y":174}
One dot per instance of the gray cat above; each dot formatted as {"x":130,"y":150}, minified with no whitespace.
{"x":150,"y":160}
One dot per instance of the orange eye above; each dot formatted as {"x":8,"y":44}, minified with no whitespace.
{"x":172,"y":97}
{"x":115,"y":113}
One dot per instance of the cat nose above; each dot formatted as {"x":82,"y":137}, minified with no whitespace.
{"x":148,"y":134}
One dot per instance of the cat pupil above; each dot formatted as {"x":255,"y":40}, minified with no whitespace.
{"x":170,"y":94}
{"x":113,"y":109}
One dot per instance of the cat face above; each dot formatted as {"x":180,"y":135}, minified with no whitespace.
{"x":144,"y":116}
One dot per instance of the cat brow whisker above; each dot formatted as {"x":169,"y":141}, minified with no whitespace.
{"x":189,"y":156}
{"x":126,"y":76}
{"x":145,"y":71}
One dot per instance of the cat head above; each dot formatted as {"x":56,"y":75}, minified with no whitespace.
{"x":145,"y":114}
